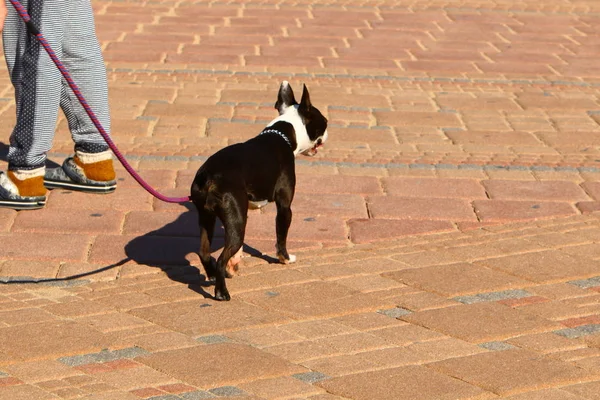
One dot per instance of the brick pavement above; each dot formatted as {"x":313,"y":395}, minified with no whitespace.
{"x":446,"y":234}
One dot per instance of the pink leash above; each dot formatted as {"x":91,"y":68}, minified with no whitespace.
{"x":65,"y":73}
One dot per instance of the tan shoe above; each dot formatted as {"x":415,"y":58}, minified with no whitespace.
{"x":84,"y":172}
{"x":23,"y":190}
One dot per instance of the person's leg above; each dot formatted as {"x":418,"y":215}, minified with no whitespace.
{"x":91,"y":168}
{"x":37,"y":85}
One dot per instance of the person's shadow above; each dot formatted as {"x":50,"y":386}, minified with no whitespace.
{"x":169,"y":249}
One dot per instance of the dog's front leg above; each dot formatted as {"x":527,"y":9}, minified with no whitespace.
{"x":282,"y":226}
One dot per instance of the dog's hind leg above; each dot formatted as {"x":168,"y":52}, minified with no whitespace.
{"x":234,"y":215}
{"x":283,"y":200}
{"x":206,"y":220}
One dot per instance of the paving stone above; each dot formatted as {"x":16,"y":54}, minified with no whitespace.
{"x":415,"y":208}
{"x":212,"y":339}
{"x":367,"y":321}
{"x":587,"y":283}
{"x":77,"y":309}
{"x":343,"y":205}
{"x":431,"y":187}
{"x":517,"y":210}
{"x":368,"y":230}
{"x":195,"y":320}
{"x":195,"y":395}
{"x":481,"y":322}
{"x":131,"y":378}
{"x":33,"y":269}
{"x":25,"y":315}
{"x":307,"y":183}
{"x":25,"y":392}
{"x":113,"y":322}
{"x":412,"y":382}
{"x":496,"y":346}
{"x":69,"y":221}
{"x":500,"y":296}
{"x":124,"y":199}
{"x":264,"y":336}
{"x":310,"y":377}
{"x":299,"y":300}
{"x":316,"y":329}
{"x":42,"y":247}
{"x":39,"y":371}
{"x":510,"y":371}
{"x":407,"y":334}
{"x":205,"y":369}
{"x":550,"y":394}
{"x":457,"y":279}
{"x":537,"y":268}
{"x":584,"y":330}
{"x":588,"y":390}
{"x":53,"y":340}
{"x":283,"y":386}
{"x":227,"y":391}
{"x":423,"y":301}
{"x":165,"y":397}
{"x":547,"y":190}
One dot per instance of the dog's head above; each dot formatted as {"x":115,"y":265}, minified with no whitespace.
{"x":309,"y":124}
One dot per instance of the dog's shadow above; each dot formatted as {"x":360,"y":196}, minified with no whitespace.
{"x":171,"y":247}
{"x":168,"y":248}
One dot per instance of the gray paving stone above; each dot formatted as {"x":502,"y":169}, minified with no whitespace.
{"x":130,"y":352}
{"x":311,"y":377}
{"x":493,"y":296}
{"x":103,"y":356}
{"x":227,"y":391}
{"x":497,"y":346}
{"x":587,"y":283}
{"x":74,"y":361}
{"x":212,"y":339}
{"x":197,"y":395}
{"x":395,"y":312}
{"x":574,"y":333}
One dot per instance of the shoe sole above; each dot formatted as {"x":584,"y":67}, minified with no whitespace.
{"x":22,"y":205}
{"x":79,"y":187}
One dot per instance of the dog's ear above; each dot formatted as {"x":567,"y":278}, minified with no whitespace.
{"x":305,"y":102}
{"x":285,"y":97}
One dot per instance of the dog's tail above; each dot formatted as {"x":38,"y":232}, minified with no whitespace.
{"x":213,"y":197}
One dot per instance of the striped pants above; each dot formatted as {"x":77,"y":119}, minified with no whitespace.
{"x":40,"y":90}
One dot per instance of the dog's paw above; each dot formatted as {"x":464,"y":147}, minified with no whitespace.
{"x":290,"y":260}
{"x":222,"y":295}
{"x":233,"y":264}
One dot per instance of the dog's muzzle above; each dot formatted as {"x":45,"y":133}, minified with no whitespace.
{"x":313,"y":150}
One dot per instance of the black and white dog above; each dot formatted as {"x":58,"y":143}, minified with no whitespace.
{"x":250,"y":174}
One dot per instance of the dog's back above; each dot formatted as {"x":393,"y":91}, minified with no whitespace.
{"x":255,"y":165}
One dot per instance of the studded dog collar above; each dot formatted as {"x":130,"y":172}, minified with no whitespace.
{"x":275,"y":131}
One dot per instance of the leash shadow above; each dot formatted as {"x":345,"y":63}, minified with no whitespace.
{"x":65,"y":280}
